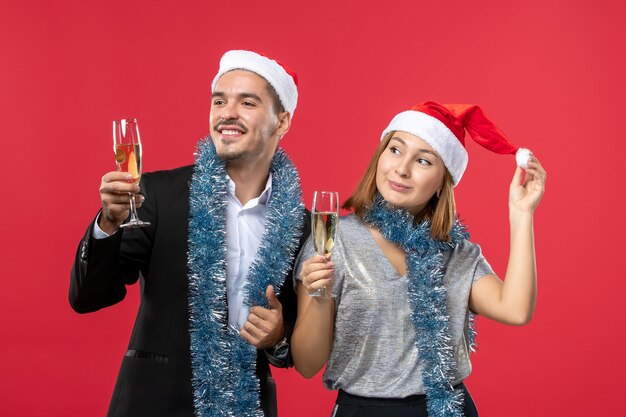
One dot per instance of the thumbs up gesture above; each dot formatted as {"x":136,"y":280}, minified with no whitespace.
{"x":264,"y":327}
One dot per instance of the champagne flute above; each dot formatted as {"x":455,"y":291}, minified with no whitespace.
{"x":127,"y":148}
{"x":324,"y":222}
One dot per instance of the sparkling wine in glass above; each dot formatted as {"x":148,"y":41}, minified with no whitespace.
{"x":127,"y":148}
{"x":324,"y":222}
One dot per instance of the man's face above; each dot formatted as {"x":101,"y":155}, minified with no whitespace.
{"x":243,"y":122}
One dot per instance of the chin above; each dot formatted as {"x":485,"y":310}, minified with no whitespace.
{"x":230,"y":155}
{"x":409,"y":206}
{"x":395,"y":203}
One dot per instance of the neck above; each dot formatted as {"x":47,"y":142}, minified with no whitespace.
{"x":249,"y":178}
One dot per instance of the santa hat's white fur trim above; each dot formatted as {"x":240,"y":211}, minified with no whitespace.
{"x":522,"y":156}
{"x":267,"y":68}
{"x":436,"y":135}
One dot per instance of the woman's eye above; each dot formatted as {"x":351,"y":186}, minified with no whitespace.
{"x":394,"y":150}
{"x":423,"y":161}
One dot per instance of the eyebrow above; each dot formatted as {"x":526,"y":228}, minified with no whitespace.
{"x":240,"y":95}
{"x":420,"y":150}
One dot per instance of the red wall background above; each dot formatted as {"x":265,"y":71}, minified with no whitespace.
{"x":549,"y":72}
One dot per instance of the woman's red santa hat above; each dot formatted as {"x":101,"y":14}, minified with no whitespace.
{"x":443,"y":126}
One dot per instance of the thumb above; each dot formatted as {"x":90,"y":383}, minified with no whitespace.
{"x":272,"y":300}
{"x":517,"y":177}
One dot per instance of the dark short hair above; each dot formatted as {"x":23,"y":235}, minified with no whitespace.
{"x":278,"y":105}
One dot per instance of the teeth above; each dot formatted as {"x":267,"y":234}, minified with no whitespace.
{"x":230,"y":132}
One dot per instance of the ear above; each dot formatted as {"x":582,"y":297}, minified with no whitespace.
{"x":284,"y":122}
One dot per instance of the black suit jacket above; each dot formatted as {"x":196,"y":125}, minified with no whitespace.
{"x":155,"y":376}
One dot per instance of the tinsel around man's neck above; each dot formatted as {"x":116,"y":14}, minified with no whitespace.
{"x":224,"y":365}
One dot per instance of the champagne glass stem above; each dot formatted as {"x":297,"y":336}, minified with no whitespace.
{"x":133,"y":209}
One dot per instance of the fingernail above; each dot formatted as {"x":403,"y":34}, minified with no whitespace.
{"x":128,"y":177}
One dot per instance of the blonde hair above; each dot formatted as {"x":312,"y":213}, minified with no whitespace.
{"x":440,"y":210}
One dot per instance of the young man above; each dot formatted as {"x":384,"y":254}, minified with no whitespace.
{"x":222,"y":238}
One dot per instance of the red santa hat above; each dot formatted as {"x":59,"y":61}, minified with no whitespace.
{"x":282,"y":79}
{"x":443,"y":127}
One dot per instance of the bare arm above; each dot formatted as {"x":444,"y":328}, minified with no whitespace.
{"x":312,"y":337}
{"x":513,"y":301}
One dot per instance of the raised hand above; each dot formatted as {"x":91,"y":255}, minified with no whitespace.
{"x":317,"y":272}
{"x":114,"y":190}
{"x":264,"y":327}
{"x":524,"y":195}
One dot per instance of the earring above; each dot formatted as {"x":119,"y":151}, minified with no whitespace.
{"x":439,"y":193}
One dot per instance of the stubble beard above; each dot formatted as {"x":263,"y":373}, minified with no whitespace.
{"x":242,"y":155}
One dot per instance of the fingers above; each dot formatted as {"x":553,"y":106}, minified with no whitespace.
{"x":118,"y":183}
{"x":249,"y":337}
{"x":525,"y":195}
{"x":317,"y":273}
{"x":263,"y":328}
{"x":517,"y":177}
{"x":264,"y":325}
{"x":115,"y":190}
{"x":272,"y":299}
{"x":262,"y":341}
{"x":535,"y":172}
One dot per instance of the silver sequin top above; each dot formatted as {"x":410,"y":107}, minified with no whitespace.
{"x":374,"y":352}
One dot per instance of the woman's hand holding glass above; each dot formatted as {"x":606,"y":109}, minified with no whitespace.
{"x":324,"y":222}
{"x":317,"y":274}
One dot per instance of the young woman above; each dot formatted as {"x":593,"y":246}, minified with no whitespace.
{"x":406,"y":280}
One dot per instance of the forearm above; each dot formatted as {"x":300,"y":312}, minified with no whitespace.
{"x":311,"y":341}
{"x":102,"y":269}
{"x":513,"y":301}
{"x":519,"y":290}
{"x":95,"y":280}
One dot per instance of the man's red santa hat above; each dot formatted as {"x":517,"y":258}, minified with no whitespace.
{"x":280,"y":77}
{"x":443,"y":126}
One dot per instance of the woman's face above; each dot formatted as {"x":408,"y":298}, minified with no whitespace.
{"x":409,"y":172}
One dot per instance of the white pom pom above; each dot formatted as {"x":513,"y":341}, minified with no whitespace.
{"x":522,"y":157}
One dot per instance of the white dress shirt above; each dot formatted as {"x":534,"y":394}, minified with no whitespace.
{"x":244,"y":228}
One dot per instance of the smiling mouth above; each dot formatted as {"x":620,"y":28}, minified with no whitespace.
{"x":230,"y":132}
{"x":397,"y":186}
{"x":230,"y":129}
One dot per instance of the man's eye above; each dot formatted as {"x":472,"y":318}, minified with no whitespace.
{"x":248,"y":104}
{"x":218,"y":102}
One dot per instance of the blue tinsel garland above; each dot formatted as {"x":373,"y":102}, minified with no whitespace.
{"x":427,"y":296}
{"x":223,"y":364}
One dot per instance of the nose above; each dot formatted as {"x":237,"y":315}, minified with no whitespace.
{"x":402,"y":168}
{"x":229,"y":111}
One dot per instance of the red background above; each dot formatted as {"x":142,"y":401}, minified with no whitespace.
{"x":549,"y":72}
